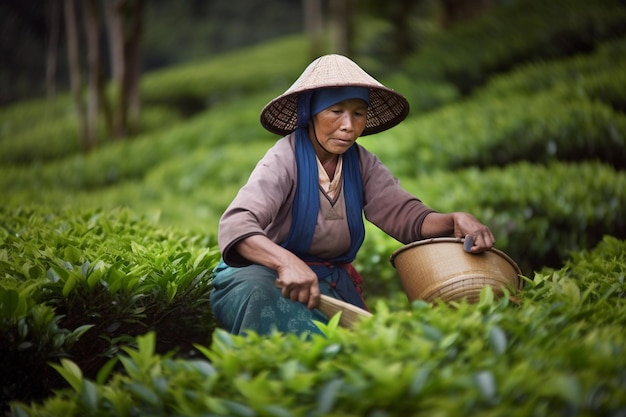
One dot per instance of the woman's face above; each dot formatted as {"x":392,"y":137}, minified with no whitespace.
{"x":337,"y":127}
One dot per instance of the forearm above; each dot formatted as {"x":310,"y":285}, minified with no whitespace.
{"x":260,"y":250}
{"x":437,"y":225}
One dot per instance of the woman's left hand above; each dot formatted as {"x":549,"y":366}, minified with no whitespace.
{"x":467,"y":226}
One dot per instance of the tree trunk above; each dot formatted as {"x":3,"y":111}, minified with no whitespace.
{"x":313,"y":25}
{"x":115,"y":32}
{"x":75,"y":72}
{"x":401,"y":13}
{"x":455,"y":11}
{"x":132,"y":52}
{"x":53,"y":46}
{"x":92,"y":31}
{"x":124,"y":20}
{"x":341,"y":12}
{"x":118,"y":65}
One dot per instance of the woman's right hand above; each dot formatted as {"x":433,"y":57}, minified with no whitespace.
{"x":297,"y":281}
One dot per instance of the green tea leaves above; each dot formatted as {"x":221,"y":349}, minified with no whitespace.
{"x":71,"y":373}
{"x":10,"y":303}
{"x":559,"y":348}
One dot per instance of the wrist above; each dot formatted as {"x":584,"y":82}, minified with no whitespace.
{"x":438,"y":224}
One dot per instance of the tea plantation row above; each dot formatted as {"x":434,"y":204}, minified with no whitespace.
{"x":74,"y":278}
{"x":570,"y":109}
{"x":528,"y":30}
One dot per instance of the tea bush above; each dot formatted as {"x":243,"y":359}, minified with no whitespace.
{"x":19,"y":117}
{"x":105,"y":277}
{"x":123,"y":161}
{"x":559,"y":350}
{"x":201,"y":84}
{"x":500,"y":130}
{"x":423,"y":95}
{"x":57,"y":138}
{"x":596,"y":76}
{"x":27,"y":124}
{"x":513,"y":33}
{"x":569,"y":109}
{"x":32,"y":337}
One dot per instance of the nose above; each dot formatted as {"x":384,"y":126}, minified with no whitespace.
{"x":347,"y":123}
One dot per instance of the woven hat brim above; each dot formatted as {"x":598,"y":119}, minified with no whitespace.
{"x":387,"y":107}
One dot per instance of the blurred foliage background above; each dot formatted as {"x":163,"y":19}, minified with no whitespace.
{"x":173,"y":33}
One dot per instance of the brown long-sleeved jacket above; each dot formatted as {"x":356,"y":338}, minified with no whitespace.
{"x":263,"y":206}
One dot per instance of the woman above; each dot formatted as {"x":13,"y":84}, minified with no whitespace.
{"x":294,"y":228}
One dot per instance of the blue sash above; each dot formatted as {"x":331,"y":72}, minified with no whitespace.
{"x":305,"y":212}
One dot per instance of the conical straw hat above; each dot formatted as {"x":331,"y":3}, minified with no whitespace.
{"x":387,"y":108}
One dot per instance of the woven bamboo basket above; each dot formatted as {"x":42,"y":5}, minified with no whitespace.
{"x":439,"y":269}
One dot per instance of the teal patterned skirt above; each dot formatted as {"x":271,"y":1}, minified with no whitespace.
{"x":246,"y":299}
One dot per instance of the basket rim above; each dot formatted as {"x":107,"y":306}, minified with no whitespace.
{"x":450,"y":240}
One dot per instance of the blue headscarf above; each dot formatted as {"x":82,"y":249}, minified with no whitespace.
{"x":326,"y":97}
{"x":306,"y":202}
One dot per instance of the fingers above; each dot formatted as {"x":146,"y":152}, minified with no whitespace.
{"x":476,"y":236}
{"x":314,"y":297}
{"x":294,"y":293}
{"x":307,"y":295}
{"x":478,"y":241}
{"x":302,"y":295}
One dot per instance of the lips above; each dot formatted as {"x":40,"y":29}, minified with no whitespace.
{"x":342,"y":141}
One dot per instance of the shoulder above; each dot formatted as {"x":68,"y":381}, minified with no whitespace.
{"x":281,"y":153}
{"x":369,"y":161}
{"x":285,"y":145}
{"x":364,"y":154}
{"x":278,"y":165}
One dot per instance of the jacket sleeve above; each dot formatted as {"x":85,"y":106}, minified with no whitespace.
{"x":258,"y":204}
{"x":387,"y":204}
